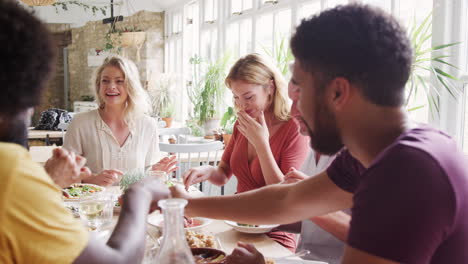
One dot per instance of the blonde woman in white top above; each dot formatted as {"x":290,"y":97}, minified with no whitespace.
{"x":118,"y":136}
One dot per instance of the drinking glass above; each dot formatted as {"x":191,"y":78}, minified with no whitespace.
{"x":160,"y":175}
{"x":91,"y":212}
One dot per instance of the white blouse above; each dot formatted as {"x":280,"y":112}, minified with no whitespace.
{"x":89,"y":136}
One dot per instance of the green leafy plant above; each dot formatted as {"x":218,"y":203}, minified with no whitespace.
{"x":131,"y":177}
{"x":207,"y":92}
{"x":94,"y":9}
{"x":110,"y":42}
{"x":228,"y":120}
{"x":194,"y":127}
{"x":160,"y":91}
{"x":281,"y":54}
{"x":427,"y":62}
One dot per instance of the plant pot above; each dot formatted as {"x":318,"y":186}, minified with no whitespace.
{"x":210,"y":126}
{"x":128,"y":39}
{"x":226,"y":139}
{"x":168,"y":121}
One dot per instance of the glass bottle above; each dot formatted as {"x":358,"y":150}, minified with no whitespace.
{"x":174,"y":247}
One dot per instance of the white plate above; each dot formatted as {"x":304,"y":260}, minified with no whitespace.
{"x":157,"y":220}
{"x":250,"y":229}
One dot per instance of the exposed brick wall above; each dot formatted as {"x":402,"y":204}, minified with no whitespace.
{"x":92,"y":36}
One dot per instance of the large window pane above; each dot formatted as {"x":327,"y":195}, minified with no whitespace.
{"x":245,"y":42}
{"x":232,"y":39}
{"x":210,"y":10}
{"x":247,"y":4}
{"x":236,"y":6}
{"x":384,"y":4}
{"x":309,"y":9}
{"x":264,"y":32}
{"x":333,"y":3}
{"x":209,"y":44}
{"x":283,"y":23}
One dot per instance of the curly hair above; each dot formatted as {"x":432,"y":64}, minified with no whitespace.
{"x":256,"y":69}
{"x":138,"y":100}
{"x":360,"y":43}
{"x":28,"y":55}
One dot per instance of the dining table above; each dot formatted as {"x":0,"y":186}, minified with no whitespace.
{"x":225,"y":234}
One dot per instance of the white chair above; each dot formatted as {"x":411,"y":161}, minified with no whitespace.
{"x":178,"y":132}
{"x":194,"y":155}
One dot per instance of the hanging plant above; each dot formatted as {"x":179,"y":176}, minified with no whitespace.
{"x":86,"y":7}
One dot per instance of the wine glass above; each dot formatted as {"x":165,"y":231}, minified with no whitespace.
{"x":92,"y":212}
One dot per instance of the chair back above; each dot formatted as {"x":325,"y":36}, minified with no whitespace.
{"x":194,"y":155}
{"x":175,"y":131}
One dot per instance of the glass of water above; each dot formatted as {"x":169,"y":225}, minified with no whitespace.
{"x":160,"y":175}
{"x":92,"y":212}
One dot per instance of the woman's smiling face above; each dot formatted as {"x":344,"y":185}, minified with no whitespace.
{"x":112,"y":87}
{"x":251,"y":98}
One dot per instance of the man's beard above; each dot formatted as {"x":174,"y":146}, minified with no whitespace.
{"x":14,"y":130}
{"x":326,"y":139}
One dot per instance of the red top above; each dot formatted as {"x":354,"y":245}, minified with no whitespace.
{"x":288,"y":146}
{"x":289,"y":149}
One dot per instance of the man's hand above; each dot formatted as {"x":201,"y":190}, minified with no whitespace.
{"x":65,"y":168}
{"x":245,"y":254}
{"x":105,"y":178}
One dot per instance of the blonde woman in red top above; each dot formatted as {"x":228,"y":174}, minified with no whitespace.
{"x":266,"y":141}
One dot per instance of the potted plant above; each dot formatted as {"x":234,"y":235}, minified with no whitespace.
{"x":227,"y":124}
{"x":427,"y":61}
{"x":160,"y":91}
{"x":207,"y":92}
{"x":167,"y":112}
{"x":116,"y":39}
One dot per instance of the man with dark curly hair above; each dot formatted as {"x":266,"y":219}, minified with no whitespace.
{"x":35,"y":225}
{"x":406,"y":183}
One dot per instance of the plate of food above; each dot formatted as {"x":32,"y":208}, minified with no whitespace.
{"x":78,"y":190}
{"x":208,"y":255}
{"x":194,"y":223}
{"x":251,"y":229}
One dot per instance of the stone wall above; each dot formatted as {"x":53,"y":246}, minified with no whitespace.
{"x":91,"y":37}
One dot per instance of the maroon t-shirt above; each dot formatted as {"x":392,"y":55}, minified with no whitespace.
{"x":411,"y":204}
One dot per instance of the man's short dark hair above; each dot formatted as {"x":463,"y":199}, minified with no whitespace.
{"x":27,"y":58}
{"x":360,"y":43}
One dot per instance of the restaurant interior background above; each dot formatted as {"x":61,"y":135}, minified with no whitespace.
{"x":176,"y":43}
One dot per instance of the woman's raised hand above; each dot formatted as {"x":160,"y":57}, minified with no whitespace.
{"x":167,"y":164}
{"x":196,"y":175}
{"x":105,"y":178}
{"x":255,"y":131}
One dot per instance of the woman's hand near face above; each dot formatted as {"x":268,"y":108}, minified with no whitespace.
{"x":105,"y":178}
{"x":255,"y":131}
{"x":198,"y":174}
{"x":167,"y":164}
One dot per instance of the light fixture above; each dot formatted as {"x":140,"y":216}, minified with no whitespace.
{"x":39,"y":2}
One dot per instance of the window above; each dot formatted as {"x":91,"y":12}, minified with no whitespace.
{"x":271,"y":29}
{"x":208,"y":48}
{"x":238,"y":6}
{"x":333,"y":3}
{"x":384,"y":4}
{"x":177,"y":23}
{"x":308,"y":9}
{"x":239,"y":38}
{"x":210,"y":11}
